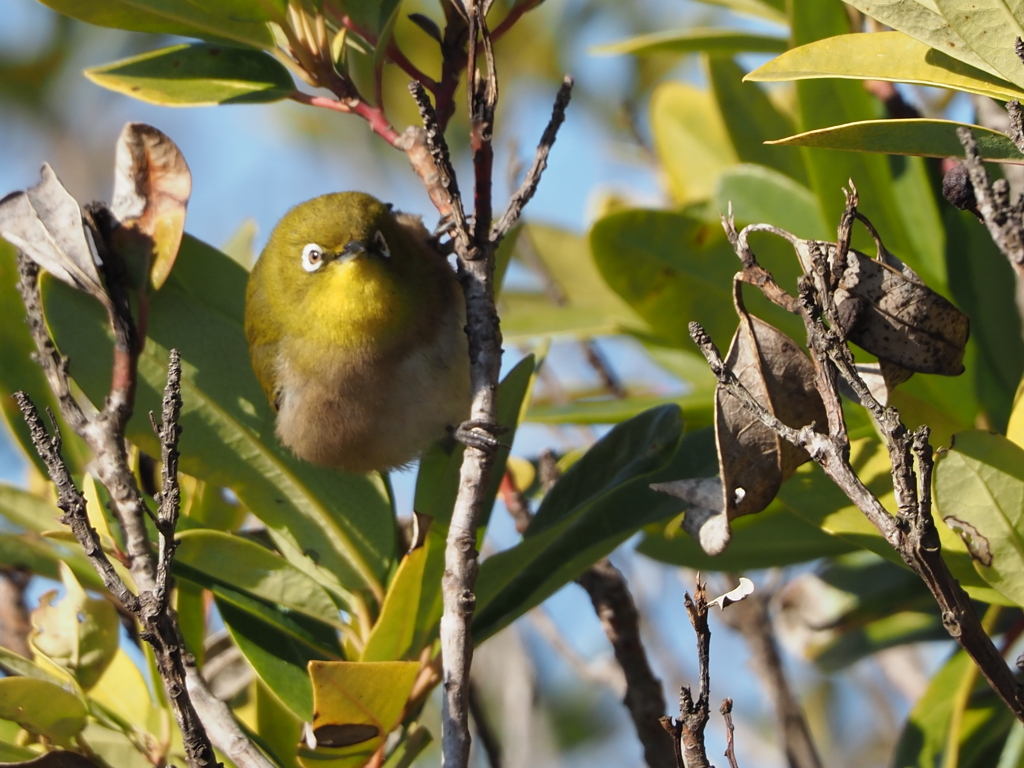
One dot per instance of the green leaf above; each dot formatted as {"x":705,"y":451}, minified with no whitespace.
{"x":278,"y":659}
{"x":673,"y":268}
{"x":392,"y":634}
{"x":19,"y":665}
{"x":762,"y":195}
{"x":241,"y":21}
{"x":826,"y":102}
{"x":924,"y":137}
{"x":416,"y":740}
{"x":278,"y":728}
{"x":696,"y":407}
{"x":42,"y":708}
{"x":79,"y":633}
{"x":960,"y":704}
{"x":990,"y":28}
{"x":578,"y":302}
{"x":770,"y":539}
{"x":890,"y":56}
{"x":922,"y":23}
{"x":979,"y":492}
{"x":751,"y":119}
{"x":337,"y":528}
{"x":983,"y":285}
{"x":123,"y":692}
{"x":255,"y":570}
{"x":19,"y":372}
{"x":691,"y":140}
{"x":197,"y":75}
{"x":581,"y":520}
{"x":712,"y":40}
{"x":321,"y":639}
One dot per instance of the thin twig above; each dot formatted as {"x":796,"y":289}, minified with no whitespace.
{"x":540,"y":161}
{"x":730,"y":750}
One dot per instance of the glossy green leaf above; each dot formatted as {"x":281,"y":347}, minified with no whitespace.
{"x":321,"y":639}
{"x":581,"y":520}
{"x":990,"y":28}
{"x":762,"y":195}
{"x":42,"y":708}
{"x":392,"y":634}
{"x":197,"y":75}
{"x":827,"y":102}
{"x":79,"y":633}
{"x":917,"y":136}
{"x":11,"y":753}
{"x":691,"y":140}
{"x":246,"y":566}
{"x":43,"y":558}
{"x":357,"y":704}
{"x":979,"y":492}
{"x":278,"y":659}
{"x":711,"y":40}
{"x":890,"y":56}
{"x":19,"y":372}
{"x":238,"y":20}
{"x":337,"y":528}
{"x":925,"y":24}
{"x":751,"y":119}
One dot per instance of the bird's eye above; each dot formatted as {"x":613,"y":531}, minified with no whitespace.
{"x":312,"y":257}
{"x":380,"y":244}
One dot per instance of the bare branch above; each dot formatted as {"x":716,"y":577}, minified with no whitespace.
{"x":540,"y":162}
{"x":730,"y":752}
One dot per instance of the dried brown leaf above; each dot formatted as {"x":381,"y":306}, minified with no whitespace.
{"x":152,"y":185}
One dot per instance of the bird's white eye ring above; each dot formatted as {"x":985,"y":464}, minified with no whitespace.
{"x":381,"y":244}
{"x":312,"y":257}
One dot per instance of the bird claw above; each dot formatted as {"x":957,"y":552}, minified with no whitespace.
{"x":480,"y":434}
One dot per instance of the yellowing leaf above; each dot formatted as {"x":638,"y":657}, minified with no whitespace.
{"x":356,"y":705}
{"x":122,"y":689}
{"x":990,"y":28}
{"x":692,"y":41}
{"x":889,"y":56}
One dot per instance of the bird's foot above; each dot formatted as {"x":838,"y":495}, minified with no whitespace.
{"x":481,"y":434}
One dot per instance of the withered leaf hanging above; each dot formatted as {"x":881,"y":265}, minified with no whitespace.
{"x":45,"y":223}
{"x":887,"y":310}
{"x":152,"y":185}
{"x":753,"y":461}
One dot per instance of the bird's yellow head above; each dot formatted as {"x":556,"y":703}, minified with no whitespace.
{"x":339,"y":270}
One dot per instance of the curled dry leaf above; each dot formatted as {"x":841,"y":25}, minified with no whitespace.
{"x":45,"y":223}
{"x":742,"y":590}
{"x":753,"y":461}
{"x":885,"y":308}
{"x":152,"y":185}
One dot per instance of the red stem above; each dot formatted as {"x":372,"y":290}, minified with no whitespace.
{"x":355,"y":106}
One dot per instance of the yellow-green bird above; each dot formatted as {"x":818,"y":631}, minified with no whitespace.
{"x":356,"y":332}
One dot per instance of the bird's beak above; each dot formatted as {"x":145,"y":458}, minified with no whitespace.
{"x":352,"y":249}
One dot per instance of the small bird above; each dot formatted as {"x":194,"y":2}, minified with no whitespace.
{"x":355,"y":325}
